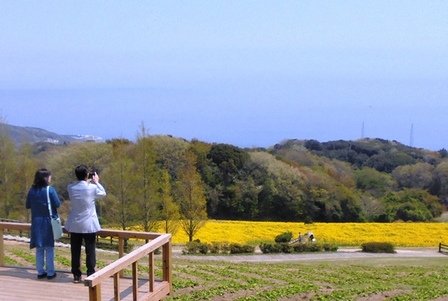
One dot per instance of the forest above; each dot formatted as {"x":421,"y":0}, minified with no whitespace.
{"x":163,"y":180}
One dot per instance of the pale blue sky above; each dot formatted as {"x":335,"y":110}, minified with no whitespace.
{"x":249,"y":73}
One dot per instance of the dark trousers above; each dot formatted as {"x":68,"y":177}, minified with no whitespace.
{"x":75,"y":248}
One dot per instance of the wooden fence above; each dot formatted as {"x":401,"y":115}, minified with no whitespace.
{"x":158,"y":289}
{"x":443,"y":248}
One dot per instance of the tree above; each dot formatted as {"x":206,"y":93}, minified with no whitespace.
{"x":170,"y":152}
{"x":373,"y":181}
{"x":26,"y":169}
{"x":169,"y":209}
{"x":372,"y":207}
{"x":62,"y":161}
{"x":266,"y":198}
{"x":8,"y":176}
{"x":411,"y":205}
{"x":313,"y":145}
{"x":145,"y":181}
{"x":388,"y":161}
{"x":443,"y":153}
{"x":281,"y":193}
{"x":121,"y":208}
{"x":229,"y":160}
{"x":418,"y":176}
{"x":191,"y":197}
{"x":441,"y":182}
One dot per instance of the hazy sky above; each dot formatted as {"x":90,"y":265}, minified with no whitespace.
{"x":249,"y":73}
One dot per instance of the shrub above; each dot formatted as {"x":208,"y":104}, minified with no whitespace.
{"x":299,"y":248}
{"x":240,"y":249}
{"x":284,"y":237}
{"x":295,"y":248}
{"x":191,"y":247}
{"x":286,"y":247}
{"x":225,"y":248}
{"x":378,"y":247}
{"x":203,"y":248}
{"x":219,"y":247}
{"x":314,"y":248}
{"x":270,"y":248}
{"x":330,"y":248}
{"x":216,"y":247}
{"x":195,"y":247}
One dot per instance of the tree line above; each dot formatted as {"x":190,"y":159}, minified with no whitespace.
{"x":163,"y":181}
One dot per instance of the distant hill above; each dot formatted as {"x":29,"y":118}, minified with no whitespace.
{"x":32,"y":135}
{"x":383,"y":155}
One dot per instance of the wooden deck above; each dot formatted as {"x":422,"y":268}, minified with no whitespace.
{"x":18,"y":283}
{"x":108,"y":283}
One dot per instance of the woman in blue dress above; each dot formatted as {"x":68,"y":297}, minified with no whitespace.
{"x":41,"y":230}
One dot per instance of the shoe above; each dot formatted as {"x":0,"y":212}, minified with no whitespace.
{"x":77,"y":279}
{"x":42,"y":276}
{"x":51,"y":277}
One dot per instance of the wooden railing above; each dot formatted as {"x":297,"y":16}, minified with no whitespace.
{"x":443,"y":248}
{"x":158,"y":289}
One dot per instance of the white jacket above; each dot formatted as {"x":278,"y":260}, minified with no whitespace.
{"x":83,"y":217}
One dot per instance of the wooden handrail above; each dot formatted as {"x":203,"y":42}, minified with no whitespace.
{"x":157,"y":289}
{"x":443,"y":248}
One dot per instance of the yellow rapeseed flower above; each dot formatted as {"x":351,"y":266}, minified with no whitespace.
{"x":341,"y":234}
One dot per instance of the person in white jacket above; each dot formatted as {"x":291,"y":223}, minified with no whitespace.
{"x":82,"y":222}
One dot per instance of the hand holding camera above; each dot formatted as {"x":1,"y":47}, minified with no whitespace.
{"x":93,"y":177}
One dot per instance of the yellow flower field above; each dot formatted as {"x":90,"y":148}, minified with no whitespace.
{"x":341,"y":234}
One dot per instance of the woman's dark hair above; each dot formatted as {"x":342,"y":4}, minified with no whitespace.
{"x":41,"y":178}
{"x":81,"y":172}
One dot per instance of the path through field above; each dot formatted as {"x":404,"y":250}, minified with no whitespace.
{"x":342,"y":253}
{"x":258,"y":256}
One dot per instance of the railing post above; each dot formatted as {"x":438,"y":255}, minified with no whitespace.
{"x":440,"y":247}
{"x":135,"y":280}
{"x":95,"y":293}
{"x":151,"y":271}
{"x":2,"y":249}
{"x":121,"y":252}
{"x":167,"y":256}
{"x":117,"y":287}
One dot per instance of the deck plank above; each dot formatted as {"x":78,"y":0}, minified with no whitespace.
{"x":17,"y":283}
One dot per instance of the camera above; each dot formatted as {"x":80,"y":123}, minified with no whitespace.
{"x":91,"y":174}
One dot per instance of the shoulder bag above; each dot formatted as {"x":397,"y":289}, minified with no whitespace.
{"x":55,"y":220}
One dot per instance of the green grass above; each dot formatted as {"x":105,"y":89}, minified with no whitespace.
{"x":393,"y":279}
{"x":400,"y":279}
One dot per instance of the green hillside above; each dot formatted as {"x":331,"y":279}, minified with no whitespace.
{"x":166,"y":178}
